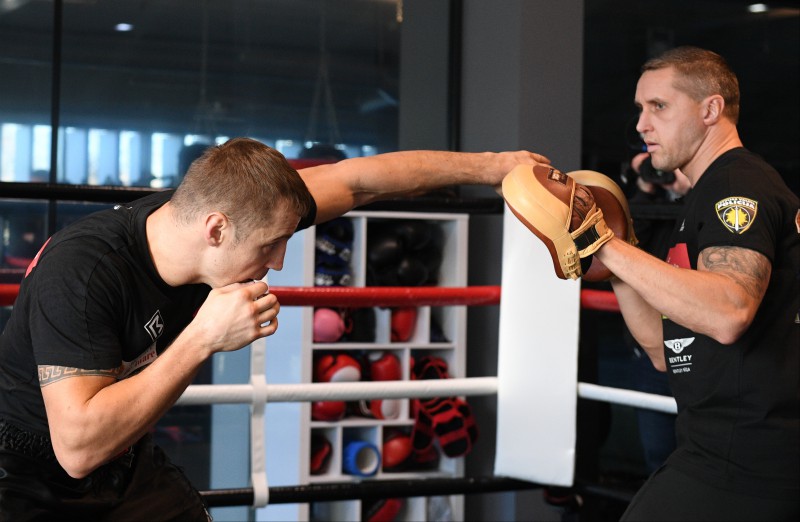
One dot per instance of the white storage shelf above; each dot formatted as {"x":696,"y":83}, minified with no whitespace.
{"x":452,"y":321}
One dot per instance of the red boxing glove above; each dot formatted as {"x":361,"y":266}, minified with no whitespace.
{"x":396,"y":451}
{"x":337,"y":368}
{"x":328,"y":410}
{"x":404,"y":319}
{"x":384,"y":366}
{"x":321,"y":450}
{"x":334,"y":368}
{"x":383,"y":510}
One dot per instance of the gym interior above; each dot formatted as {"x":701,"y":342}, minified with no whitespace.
{"x":102,"y":100}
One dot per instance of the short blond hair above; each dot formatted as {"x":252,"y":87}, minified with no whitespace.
{"x":701,"y":73}
{"x":244,"y":179}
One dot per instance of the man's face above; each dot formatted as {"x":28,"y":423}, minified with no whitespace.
{"x":254,"y":254}
{"x":670,"y":122}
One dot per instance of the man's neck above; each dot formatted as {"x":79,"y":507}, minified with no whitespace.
{"x":169,"y":245}
{"x":713,"y":146}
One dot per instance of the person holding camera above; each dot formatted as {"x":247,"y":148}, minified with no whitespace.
{"x":653,"y":186}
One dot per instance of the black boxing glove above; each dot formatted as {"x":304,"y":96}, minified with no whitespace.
{"x":414,"y":234}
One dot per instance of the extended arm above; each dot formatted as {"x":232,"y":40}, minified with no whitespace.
{"x":93,"y":417}
{"x":340,"y":187}
{"x":719,"y":299}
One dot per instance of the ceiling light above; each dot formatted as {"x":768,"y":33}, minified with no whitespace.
{"x":123,"y":28}
{"x":757,"y":8}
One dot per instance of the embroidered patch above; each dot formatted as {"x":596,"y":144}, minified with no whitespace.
{"x":736,"y":213}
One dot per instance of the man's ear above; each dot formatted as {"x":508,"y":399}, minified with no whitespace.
{"x":217,"y":227}
{"x":712,"y":109}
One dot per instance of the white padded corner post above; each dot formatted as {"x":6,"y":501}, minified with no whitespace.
{"x":537,"y":363}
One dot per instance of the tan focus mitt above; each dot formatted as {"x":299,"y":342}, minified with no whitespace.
{"x":560,"y":212}
{"x":616,"y":213}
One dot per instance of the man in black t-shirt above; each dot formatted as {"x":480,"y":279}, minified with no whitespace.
{"x":117,"y":313}
{"x":721,"y":315}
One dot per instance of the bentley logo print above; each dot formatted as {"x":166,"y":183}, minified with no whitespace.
{"x":736,"y":213}
{"x":677,"y":345}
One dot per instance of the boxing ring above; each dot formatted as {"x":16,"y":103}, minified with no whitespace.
{"x":258,"y":392}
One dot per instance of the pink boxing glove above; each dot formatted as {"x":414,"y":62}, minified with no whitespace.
{"x":328,"y":325}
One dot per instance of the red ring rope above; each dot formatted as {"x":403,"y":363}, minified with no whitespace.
{"x":600,"y":300}
{"x":344,"y":296}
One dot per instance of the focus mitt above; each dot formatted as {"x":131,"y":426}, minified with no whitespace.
{"x":560,"y":212}
{"x":611,"y":200}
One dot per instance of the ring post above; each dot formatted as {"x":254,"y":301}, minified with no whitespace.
{"x":537,"y":363}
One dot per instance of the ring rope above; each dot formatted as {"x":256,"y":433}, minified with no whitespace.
{"x":351,"y":391}
{"x":356,"y":297}
{"x":361,"y":297}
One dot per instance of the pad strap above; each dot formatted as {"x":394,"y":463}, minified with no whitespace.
{"x":592,"y":234}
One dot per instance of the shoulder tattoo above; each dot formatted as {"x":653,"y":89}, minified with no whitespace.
{"x":48,"y":374}
{"x":748,"y":268}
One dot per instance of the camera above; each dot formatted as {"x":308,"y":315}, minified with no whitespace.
{"x":652,"y":175}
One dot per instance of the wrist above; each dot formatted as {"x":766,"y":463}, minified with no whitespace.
{"x":193,"y":341}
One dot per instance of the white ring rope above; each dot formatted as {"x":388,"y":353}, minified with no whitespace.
{"x":637,"y":399}
{"x":350,"y":391}
{"x":339,"y":391}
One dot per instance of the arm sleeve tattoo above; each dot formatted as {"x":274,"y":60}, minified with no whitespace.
{"x":748,"y":268}
{"x":49,"y":374}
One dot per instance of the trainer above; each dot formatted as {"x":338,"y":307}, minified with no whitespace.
{"x":721,"y":315}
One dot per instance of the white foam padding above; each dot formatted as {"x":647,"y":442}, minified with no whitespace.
{"x":537,"y":363}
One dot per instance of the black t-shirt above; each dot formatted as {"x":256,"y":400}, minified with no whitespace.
{"x":738,"y":405}
{"x":92,"y":299}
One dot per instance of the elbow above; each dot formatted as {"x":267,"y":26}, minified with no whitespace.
{"x":75,"y":466}
{"x":77,"y":463}
{"x":728,"y":336}
{"x":656,"y":354}
{"x":733,"y":327}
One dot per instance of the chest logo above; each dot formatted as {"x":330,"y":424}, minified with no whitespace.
{"x":677,"y":345}
{"x":155,"y":326}
{"x":736,"y":213}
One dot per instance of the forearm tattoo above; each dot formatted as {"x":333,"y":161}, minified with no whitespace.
{"x":49,"y":374}
{"x":746,"y":267}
